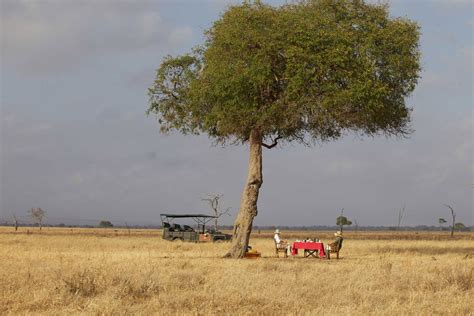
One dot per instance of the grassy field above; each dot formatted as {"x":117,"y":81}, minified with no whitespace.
{"x":114,"y":271}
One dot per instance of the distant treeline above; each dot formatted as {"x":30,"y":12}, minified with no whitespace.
{"x":299,"y":228}
{"x":353,"y":229}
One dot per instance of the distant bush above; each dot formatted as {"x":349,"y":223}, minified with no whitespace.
{"x":105,"y":224}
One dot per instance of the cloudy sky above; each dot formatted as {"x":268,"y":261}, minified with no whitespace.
{"x":76,"y":142}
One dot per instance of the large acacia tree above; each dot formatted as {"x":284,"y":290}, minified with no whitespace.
{"x":304,"y":72}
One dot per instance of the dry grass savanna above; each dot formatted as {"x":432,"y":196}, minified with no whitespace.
{"x":114,"y":271}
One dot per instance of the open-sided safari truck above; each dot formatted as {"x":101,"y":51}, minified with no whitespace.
{"x":173,"y":231}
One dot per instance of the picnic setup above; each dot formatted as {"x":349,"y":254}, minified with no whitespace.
{"x":309,"y":248}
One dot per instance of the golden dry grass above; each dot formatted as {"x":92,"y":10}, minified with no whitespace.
{"x":93,"y":271}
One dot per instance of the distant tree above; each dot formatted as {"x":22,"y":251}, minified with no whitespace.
{"x":213,"y":200}
{"x":311,"y":71}
{"x":441,"y":221}
{"x":356,"y":226}
{"x":128,"y":228}
{"x":342,"y":221}
{"x":453,"y":215}
{"x":105,"y":224}
{"x":15,"y":221}
{"x":37,"y":215}
{"x":401,"y":213}
{"x":459,"y":226}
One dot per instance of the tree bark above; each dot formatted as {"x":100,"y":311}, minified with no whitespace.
{"x":248,"y":202}
{"x":452,"y":227}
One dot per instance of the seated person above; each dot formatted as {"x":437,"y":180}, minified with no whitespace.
{"x":337,"y":244}
{"x":280,"y":243}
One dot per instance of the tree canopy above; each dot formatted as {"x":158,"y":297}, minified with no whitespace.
{"x":342,"y":221}
{"x":105,"y":224}
{"x":459,"y":226}
{"x":307,"y":71}
{"x":37,"y":214}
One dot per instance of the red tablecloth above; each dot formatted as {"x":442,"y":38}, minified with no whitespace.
{"x":308,"y":246}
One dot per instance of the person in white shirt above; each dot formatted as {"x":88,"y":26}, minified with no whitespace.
{"x":277,"y":237}
{"x":280,"y":243}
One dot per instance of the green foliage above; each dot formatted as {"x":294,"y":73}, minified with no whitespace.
{"x":105,"y":224}
{"x":343,"y":221}
{"x":459,"y":226}
{"x":308,"y":71}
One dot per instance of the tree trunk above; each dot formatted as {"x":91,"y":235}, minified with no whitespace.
{"x":248,"y":202}
{"x":452,"y":227}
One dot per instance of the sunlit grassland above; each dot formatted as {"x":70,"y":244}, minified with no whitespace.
{"x":119,"y":271}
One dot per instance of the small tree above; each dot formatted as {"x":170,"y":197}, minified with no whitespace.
{"x":453,"y":215}
{"x":105,"y":224}
{"x":15,"y":221}
{"x":309,"y":72}
{"x":459,"y":226}
{"x":401,"y":213}
{"x":37,"y":215}
{"x":213,"y":200}
{"x":342,"y":221}
{"x":441,"y":221}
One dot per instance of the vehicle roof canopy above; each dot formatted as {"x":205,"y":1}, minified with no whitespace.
{"x":200,"y":219}
{"x":187,"y":215}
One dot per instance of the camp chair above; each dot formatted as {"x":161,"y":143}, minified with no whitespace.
{"x":282,"y":247}
{"x":335,"y":248}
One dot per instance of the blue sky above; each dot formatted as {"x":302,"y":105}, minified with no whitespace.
{"x":75,"y":139}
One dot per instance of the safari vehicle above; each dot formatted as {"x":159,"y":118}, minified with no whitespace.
{"x":173,"y":231}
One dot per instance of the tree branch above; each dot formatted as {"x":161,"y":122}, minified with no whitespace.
{"x":275,"y":142}
{"x":226,"y":212}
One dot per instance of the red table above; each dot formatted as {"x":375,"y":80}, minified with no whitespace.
{"x":309,"y":248}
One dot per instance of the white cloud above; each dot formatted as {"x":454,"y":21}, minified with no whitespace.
{"x":457,"y":1}
{"x":50,"y":36}
{"x":77,"y":178}
{"x":180,"y":35}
